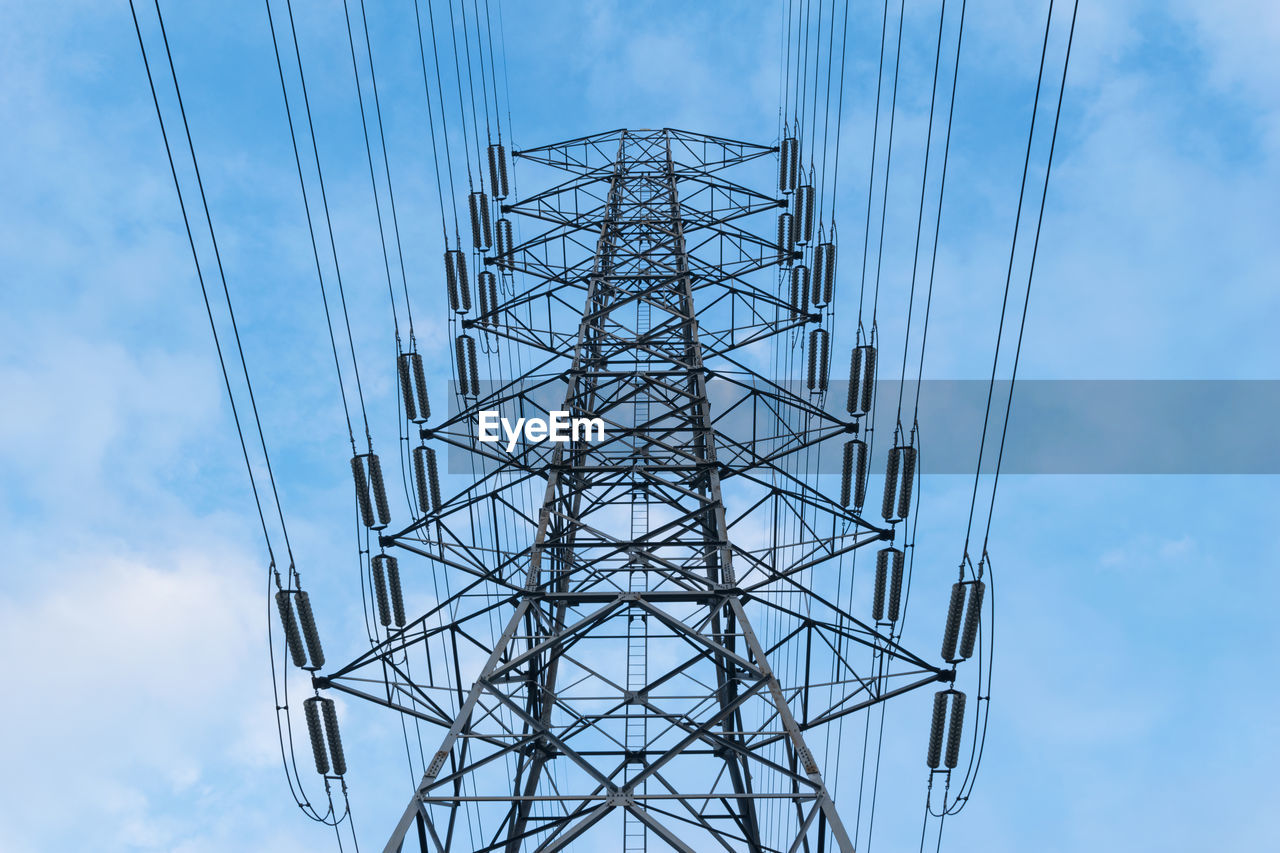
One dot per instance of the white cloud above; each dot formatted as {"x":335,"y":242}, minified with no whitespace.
{"x":1237,"y":41}
{"x":138,"y":711}
{"x":136,"y":675}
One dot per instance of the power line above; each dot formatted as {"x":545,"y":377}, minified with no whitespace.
{"x":373,"y":182}
{"x":315,"y":246}
{"x":333,"y":246}
{"x":1035,"y":246}
{"x":386,"y":165}
{"x":1013,"y":247}
{"x":888,"y":159}
{"x":924,"y":183}
{"x":533,"y":586}
{"x":204,"y":292}
{"x":331,"y":816}
{"x":431,"y":122}
{"x":937,"y":224}
{"x":871,"y":169}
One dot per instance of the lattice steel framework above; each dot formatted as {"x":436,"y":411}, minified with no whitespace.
{"x":591,"y":661}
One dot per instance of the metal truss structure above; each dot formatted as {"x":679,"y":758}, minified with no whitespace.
{"x":599,"y":667}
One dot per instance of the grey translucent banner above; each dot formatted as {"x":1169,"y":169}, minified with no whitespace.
{"x":1056,"y":426}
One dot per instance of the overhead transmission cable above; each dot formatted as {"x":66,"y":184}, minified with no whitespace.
{"x":462,"y":100}
{"x":235,"y":413}
{"x":333,"y":245}
{"x":937,"y":225}
{"x":1013,"y":247}
{"x":484,"y":90}
{"x":284,"y":707}
{"x":386,"y":165}
{"x":871,"y":171}
{"x":888,"y":159}
{"x":986,"y":636}
{"x":506,"y":80}
{"x":835,"y":167}
{"x":331,"y":817}
{"x":333,"y":341}
{"x":1035,"y":246}
{"x":373,"y":181}
{"x":493,"y":70}
{"x":431,"y":122}
{"x":924,"y":184}
{"x":826,"y":124}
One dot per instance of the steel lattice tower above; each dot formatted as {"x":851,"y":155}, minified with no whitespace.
{"x":595,"y":665}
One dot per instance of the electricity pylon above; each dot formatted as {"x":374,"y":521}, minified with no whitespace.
{"x":588,"y":668}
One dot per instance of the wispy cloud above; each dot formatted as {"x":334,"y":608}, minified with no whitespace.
{"x":132,"y":620}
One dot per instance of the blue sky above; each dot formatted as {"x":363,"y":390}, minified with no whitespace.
{"x":1136,"y":613}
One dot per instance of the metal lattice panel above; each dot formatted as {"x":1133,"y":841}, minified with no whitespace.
{"x":597,"y":673}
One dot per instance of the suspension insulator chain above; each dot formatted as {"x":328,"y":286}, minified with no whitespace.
{"x":786,"y":238}
{"x":889,"y":562}
{"x":972,"y":617}
{"x":824,"y":273}
{"x":846,"y":473}
{"x":788,"y":164}
{"x":505,"y":245}
{"x":292,"y":638}
{"x":882,"y":575}
{"x":951,"y":631}
{"x":800,"y":290}
{"x":899,"y":479}
{"x":460,"y":351}
{"x":362,"y":491}
{"x":376,"y":568}
{"x":315,"y":728}
{"x":855,"y":469}
{"x":802,"y":214}
{"x":386,"y":587}
{"x":326,"y":742}
{"x":427,"y":478}
{"x":397,"y":593}
{"x":939,"y":723}
{"x":819,"y":360}
{"x":451,"y":280}
{"x":311,"y":655}
{"x":366,"y":469}
{"x":487,"y":291}
{"x":473,"y":369}
{"x":468,"y":370}
{"x":498,"y":170}
{"x":969,"y":615}
{"x":889,"y":503}
{"x":413,"y":388}
{"x":420,"y":479}
{"x":855,"y":382}
{"x":936,"y":726}
{"x":455,"y":274}
{"x":956,"y":730}
{"x":895,"y":585}
{"x":481,"y":228}
{"x":908,"y":481}
{"x":860,"y":470}
{"x":862,"y":379}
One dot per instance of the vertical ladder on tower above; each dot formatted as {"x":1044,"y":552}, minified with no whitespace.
{"x":634,"y":834}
